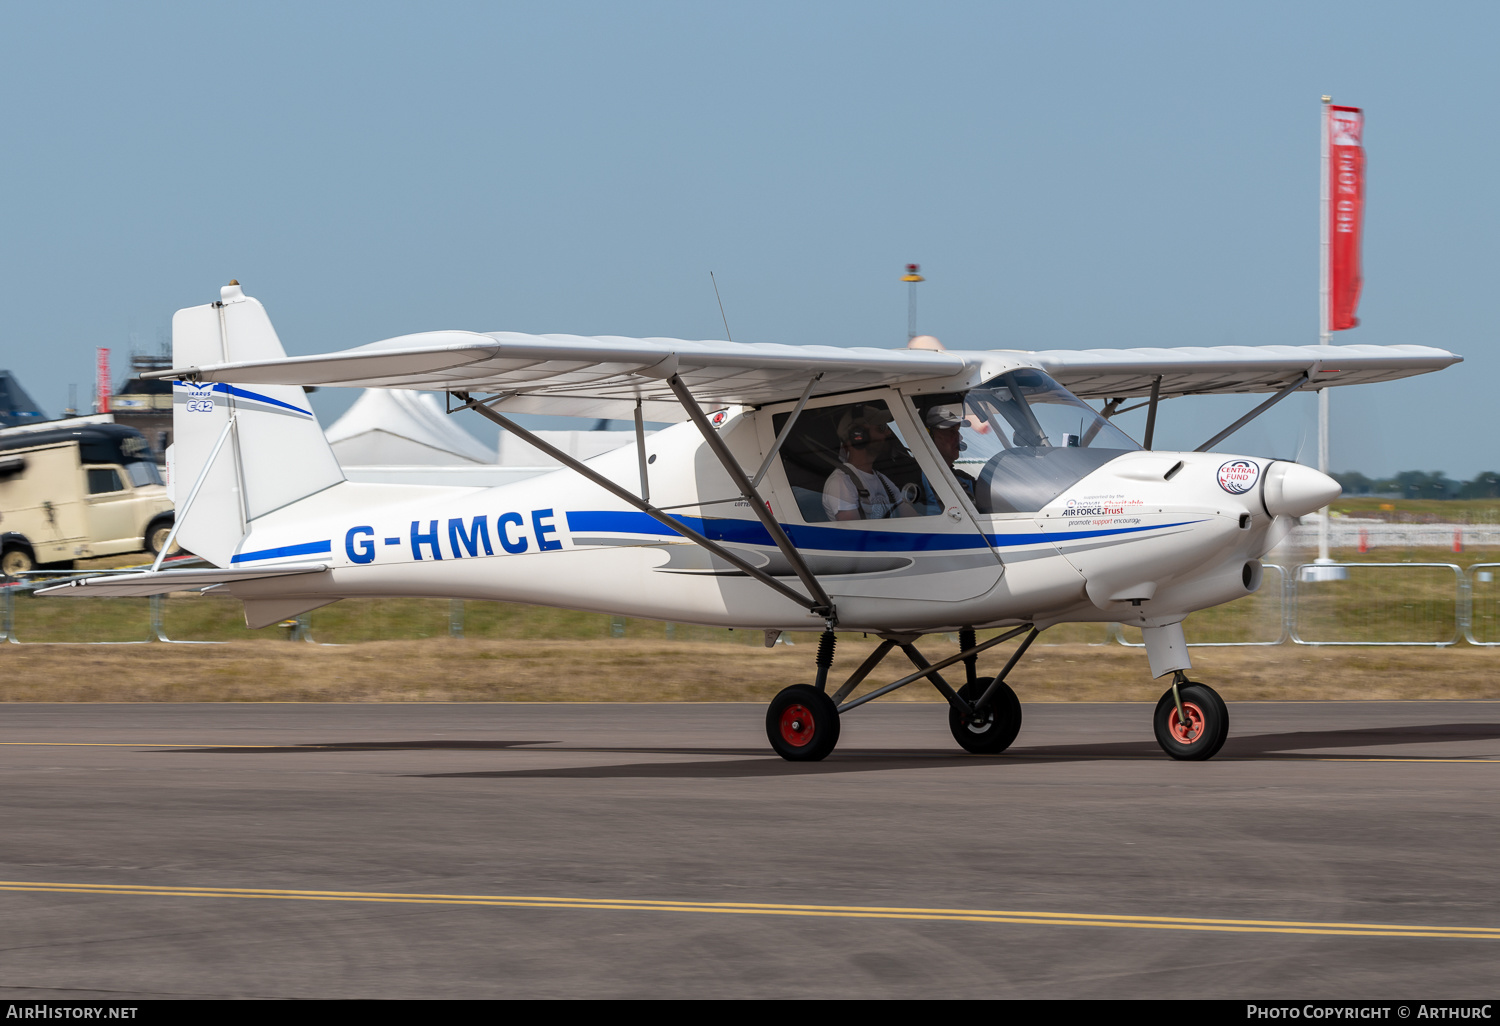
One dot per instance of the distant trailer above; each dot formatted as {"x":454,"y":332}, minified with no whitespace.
{"x":77,"y":489}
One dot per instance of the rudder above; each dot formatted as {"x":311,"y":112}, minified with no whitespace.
{"x":275,"y":452}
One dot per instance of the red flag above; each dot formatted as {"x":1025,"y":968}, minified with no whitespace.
{"x":1346,"y":210}
{"x":101,"y":381}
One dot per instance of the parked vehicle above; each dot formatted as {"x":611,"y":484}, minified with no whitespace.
{"x":77,"y":489}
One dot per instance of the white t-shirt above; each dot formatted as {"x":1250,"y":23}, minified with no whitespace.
{"x":881,"y":498}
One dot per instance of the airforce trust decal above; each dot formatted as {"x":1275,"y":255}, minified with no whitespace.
{"x":1238,"y":476}
{"x":1092,"y":508}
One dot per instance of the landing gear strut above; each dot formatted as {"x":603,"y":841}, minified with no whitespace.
{"x":802,"y":722}
{"x":984,"y":715}
{"x":1191,"y":720}
{"x":990,"y":730}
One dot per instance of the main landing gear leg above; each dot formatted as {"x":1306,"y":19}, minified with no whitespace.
{"x":990,"y":726}
{"x":802,"y":722}
{"x":1191,"y":720}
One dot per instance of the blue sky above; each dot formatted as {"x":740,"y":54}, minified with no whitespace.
{"x":1068,"y":175}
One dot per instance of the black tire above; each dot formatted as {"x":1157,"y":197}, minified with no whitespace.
{"x":1208,"y":726}
{"x":802,"y":724}
{"x":994,"y":730}
{"x":157,"y":534}
{"x":16,"y":559}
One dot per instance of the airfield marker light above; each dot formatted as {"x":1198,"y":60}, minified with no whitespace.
{"x":911,"y":278}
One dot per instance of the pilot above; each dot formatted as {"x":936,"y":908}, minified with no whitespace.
{"x":856,"y":490}
{"x":943,"y":420}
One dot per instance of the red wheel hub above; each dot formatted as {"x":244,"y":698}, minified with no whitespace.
{"x":1186,"y":733}
{"x":797,"y":725}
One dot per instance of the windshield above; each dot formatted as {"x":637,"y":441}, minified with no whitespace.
{"x":1026,"y":439}
{"x":143,"y":472}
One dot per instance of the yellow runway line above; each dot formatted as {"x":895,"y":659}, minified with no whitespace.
{"x":1397,"y":758}
{"x":772,"y":909}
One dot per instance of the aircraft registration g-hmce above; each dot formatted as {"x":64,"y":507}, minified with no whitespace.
{"x":894,"y":492}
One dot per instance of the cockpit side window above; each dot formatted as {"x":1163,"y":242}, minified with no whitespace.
{"x":850,"y":462}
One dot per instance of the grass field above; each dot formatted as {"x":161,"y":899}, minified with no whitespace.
{"x":632,"y":670}
{"x":404,"y":650}
{"x":1457,"y":511}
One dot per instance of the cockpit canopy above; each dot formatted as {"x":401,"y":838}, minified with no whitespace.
{"x":1027,"y":440}
{"x":1011,"y":445}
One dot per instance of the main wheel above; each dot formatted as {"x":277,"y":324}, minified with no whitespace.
{"x":1206,"y":728}
{"x":990,"y":731}
{"x":802,"y":724}
{"x":15,"y":561}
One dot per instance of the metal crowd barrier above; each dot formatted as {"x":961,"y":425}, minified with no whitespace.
{"x":1482,"y":619}
{"x":1349,"y":610}
{"x":10,"y":634}
{"x":1326,"y":604}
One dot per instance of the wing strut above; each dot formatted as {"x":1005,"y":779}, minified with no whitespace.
{"x":1151,"y":413}
{"x":747,"y":489}
{"x":181,"y":515}
{"x":786,"y":429}
{"x":1247,"y":418}
{"x":819,"y":606}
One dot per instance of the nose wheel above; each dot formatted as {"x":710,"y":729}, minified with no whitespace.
{"x":802,"y":724}
{"x":1202,"y":727}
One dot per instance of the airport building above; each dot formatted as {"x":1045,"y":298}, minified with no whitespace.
{"x":146,"y":405}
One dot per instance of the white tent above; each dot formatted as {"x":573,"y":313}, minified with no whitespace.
{"x":394,"y":427}
{"x":581,"y":445}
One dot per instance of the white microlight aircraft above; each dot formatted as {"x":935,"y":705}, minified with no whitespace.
{"x":895,"y":492}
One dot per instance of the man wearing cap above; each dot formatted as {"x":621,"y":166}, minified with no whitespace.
{"x":856,"y":490}
{"x":943,"y":420}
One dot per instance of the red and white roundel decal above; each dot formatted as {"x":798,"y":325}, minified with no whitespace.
{"x":1239,"y":476}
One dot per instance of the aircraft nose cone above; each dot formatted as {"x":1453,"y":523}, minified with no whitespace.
{"x":1294,"y":490}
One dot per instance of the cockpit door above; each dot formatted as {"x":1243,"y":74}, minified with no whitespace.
{"x":867,"y":501}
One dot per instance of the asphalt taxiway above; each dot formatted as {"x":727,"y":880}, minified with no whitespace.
{"x":509,"y":850}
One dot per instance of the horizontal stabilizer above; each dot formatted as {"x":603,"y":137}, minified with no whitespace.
{"x":264,"y":612}
{"x":164,"y":581}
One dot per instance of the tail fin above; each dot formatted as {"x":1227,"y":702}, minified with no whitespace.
{"x":275,"y":452}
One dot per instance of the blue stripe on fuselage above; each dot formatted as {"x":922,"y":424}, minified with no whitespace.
{"x":751,"y":532}
{"x":305,"y":549}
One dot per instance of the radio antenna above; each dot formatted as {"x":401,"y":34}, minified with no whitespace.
{"x":721,"y":305}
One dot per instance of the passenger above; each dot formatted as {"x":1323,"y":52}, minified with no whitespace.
{"x":856,"y":490}
{"x":943,"y":421}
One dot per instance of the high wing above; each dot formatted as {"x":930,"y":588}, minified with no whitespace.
{"x":597,"y":377}
{"x":163,"y":581}
{"x":1206,"y":370}
{"x":605,"y":376}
